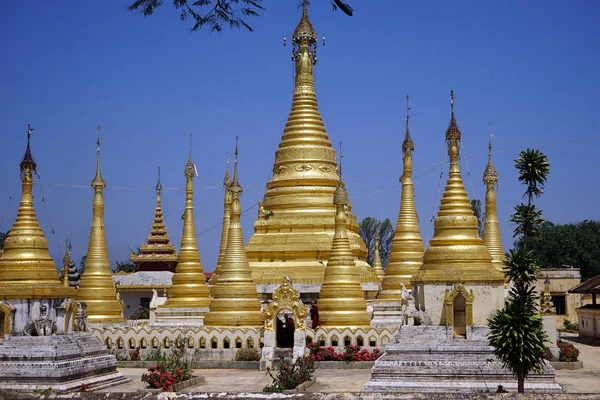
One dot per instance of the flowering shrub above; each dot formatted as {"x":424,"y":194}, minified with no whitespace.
{"x":171,"y":368}
{"x":157,"y":377}
{"x":134,"y":355}
{"x":290,"y":375}
{"x":548,"y":354}
{"x":568,"y":352}
{"x":351,"y":353}
{"x":84,"y":388}
{"x":140,"y":313}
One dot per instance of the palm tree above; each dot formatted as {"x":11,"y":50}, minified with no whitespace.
{"x":219,"y":12}
{"x":516,"y":332}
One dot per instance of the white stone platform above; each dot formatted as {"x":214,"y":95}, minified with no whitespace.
{"x":60,"y":362}
{"x":428,"y":359}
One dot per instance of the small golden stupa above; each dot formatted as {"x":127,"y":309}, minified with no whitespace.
{"x":456,"y":254}
{"x":377,"y":265}
{"x":406,"y":254}
{"x":66,"y":264}
{"x":189,"y":289}
{"x":157,"y":254}
{"x":294,"y":230}
{"x":341,"y":300}
{"x":235,"y":300}
{"x":97,"y":288}
{"x":225,"y":228}
{"x":26,"y":269}
{"x":491,"y":227}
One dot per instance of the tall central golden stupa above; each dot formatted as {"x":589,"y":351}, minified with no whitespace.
{"x":296,"y":221}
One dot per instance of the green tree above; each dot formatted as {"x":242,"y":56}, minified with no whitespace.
{"x":216,"y":13}
{"x":125,"y":266}
{"x":576,"y":244}
{"x":476,"y":206}
{"x":128,"y":265}
{"x":367,"y":229}
{"x":516,"y":332}
{"x":3,"y":236}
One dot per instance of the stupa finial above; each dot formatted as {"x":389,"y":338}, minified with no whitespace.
{"x":158,"y":184}
{"x":98,"y":181}
{"x":235,"y":185}
{"x":490,"y":174}
{"x":407,"y":145}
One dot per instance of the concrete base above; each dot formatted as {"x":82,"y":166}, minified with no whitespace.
{"x":387,"y":314}
{"x":59,"y":363}
{"x":427,"y":359}
{"x":179,"y":317}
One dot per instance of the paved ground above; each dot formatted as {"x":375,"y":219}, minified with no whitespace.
{"x":586,"y":380}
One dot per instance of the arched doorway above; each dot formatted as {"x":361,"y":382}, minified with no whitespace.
{"x":459,"y":310}
{"x":1,"y":325}
{"x":5,"y":310}
{"x":284,"y":329}
{"x":284,"y":325}
{"x":460,"y":321}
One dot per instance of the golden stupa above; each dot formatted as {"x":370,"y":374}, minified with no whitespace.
{"x":157,"y":254}
{"x":189,"y":288}
{"x":225,"y":228}
{"x":341,"y":300}
{"x":456,"y":252}
{"x":377,"y":265}
{"x":295,"y":225}
{"x":406,"y":254}
{"x":491,"y":227}
{"x":235,"y":300}
{"x":97,"y":288}
{"x":66,"y":264}
{"x":26,"y":269}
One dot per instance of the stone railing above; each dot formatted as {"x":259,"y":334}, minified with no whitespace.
{"x":209,"y":343}
{"x":367,"y":337}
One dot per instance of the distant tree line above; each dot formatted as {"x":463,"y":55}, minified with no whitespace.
{"x":574,"y":244}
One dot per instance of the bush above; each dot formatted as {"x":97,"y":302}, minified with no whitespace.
{"x":568,"y":352}
{"x":351,"y":353}
{"x":290,"y":375}
{"x":570,"y":326}
{"x":140,"y":313}
{"x":548,"y":354}
{"x":155,"y":355}
{"x":247,"y":355}
{"x":134,"y":355}
{"x":171,"y":368}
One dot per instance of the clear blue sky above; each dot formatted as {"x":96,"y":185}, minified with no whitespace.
{"x":530,"y":67}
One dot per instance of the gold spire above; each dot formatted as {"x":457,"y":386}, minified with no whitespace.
{"x":189,"y":288}
{"x":406,"y":254}
{"x":225,"y":229}
{"x":341,"y":300}
{"x":293,"y":236}
{"x":26,"y":268}
{"x":377,"y":265}
{"x":456,"y":252}
{"x":158,"y":254}
{"x":66,"y":264}
{"x":97,"y":288}
{"x":491,"y":227}
{"x":235,"y":300}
